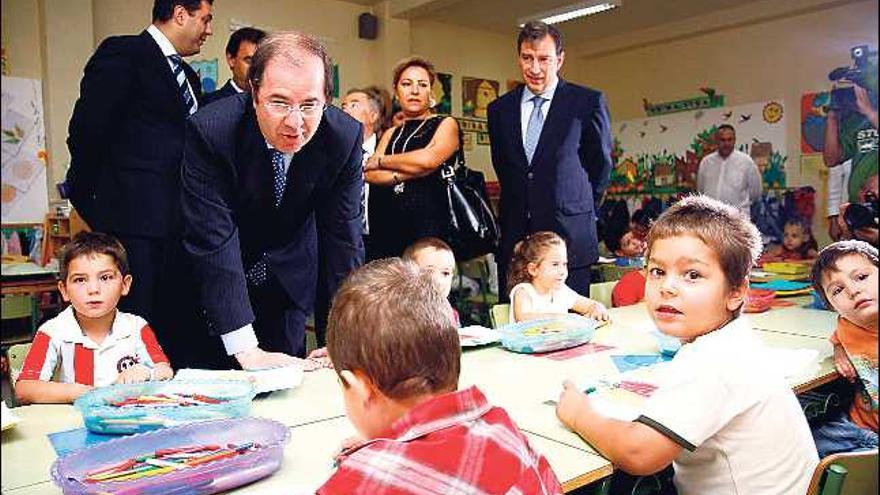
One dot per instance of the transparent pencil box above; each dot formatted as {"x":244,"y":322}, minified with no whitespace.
{"x":140,"y":407}
{"x":547,"y":334}
{"x":257,"y":445}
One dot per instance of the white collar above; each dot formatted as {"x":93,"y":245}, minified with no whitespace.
{"x":73,"y":333}
{"x":370,"y":143}
{"x":547,"y":94}
{"x":162,"y":40}
{"x":235,"y":86}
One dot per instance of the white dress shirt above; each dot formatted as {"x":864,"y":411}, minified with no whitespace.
{"x":369,"y":147}
{"x":838,"y":181}
{"x":526,"y":105}
{"x":734,"y":180}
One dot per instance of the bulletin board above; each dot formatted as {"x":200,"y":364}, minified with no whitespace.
{"x":662,"y":154}
{"x":23,"y":190}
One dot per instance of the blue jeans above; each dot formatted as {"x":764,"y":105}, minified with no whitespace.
{"x":839,"y":434}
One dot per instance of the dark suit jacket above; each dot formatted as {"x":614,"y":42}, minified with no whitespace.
{"x":223,"y":92}
{"x":126,"y":138}
{"x":568,"y":175}
{"x":312,"y":239}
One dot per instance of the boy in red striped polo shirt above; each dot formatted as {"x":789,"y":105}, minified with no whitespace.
{"x":91,"y":343}
{"x":398,"y":358}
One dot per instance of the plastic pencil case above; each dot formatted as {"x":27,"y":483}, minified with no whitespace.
{"x":70,"y":471}
{"x":100,"y":416}
{"x":545,"y":335}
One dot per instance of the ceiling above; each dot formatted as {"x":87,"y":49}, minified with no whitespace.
{"x":501,"y":16}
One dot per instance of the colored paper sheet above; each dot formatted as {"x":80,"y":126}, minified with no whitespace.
{"x":631,"y":362}
{"x":581,"y":350}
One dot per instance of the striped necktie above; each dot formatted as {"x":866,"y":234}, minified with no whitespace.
{"x":533,"y":130}
{"x":188,"y":100}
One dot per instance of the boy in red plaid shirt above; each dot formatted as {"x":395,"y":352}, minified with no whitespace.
{"x":398,"y":359}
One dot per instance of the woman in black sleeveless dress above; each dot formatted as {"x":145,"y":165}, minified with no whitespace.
{"x":408,"y":197}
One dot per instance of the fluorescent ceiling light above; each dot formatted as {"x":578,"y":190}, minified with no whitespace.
{"x":580,"y":9}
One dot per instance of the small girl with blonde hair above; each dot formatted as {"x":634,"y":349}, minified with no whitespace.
{"x":536,"y":281}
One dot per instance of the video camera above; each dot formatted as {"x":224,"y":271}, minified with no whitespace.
{"x":844,"y":99}
{"x":861,"y":215}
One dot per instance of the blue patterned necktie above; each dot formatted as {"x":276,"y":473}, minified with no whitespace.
{"x":279,"y":177}
{"x":188,"y":100}
{"x":533,"y":130}
{"x":258,"y":273}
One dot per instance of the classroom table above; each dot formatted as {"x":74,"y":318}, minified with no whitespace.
{"x":520,"y":383}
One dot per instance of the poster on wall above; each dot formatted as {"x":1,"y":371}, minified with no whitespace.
{"x":662,"y":154}
{"x":814,"y":112}
{"x":23,"y":190}
{"x":207,"y":71}
{"x":442,"y":92}
{"x":476,"y":94}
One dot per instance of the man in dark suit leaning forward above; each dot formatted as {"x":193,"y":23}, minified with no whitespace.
{"x":271,"y":202}
{"x":551,"y":150}
{"x":126,"y":139}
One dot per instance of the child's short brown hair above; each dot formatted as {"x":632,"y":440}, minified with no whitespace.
{"x":425,"y":242}
{"x":832,"y":253}
{"x":734,"y":239}
{"x":89,"y":243}
{"x":389,"y":322}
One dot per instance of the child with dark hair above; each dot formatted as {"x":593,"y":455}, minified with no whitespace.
{"x":536,"y":281}
{"x":398,"y":358}
{"x":798,"y":243}
{"x":91,"y":343}
{"x":845,"y":276}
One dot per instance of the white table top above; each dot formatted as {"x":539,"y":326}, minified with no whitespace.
{"x":517,"y":382}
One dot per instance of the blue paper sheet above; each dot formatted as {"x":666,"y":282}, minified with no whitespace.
{"x":630,"y":362}
{"x":69,"y":441}
{"x":782,"y":285}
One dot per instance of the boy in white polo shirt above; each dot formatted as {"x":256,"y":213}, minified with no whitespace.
{"x":91,"y":343}
{"x":723,"y":417}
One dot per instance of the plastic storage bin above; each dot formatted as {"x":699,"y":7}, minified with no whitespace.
{"x":545,"y":335}
{"x":100,"y":416}
{"x":69,"y":472}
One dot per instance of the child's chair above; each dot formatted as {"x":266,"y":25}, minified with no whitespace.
{"x":602,"y":292}
{"x":848,"y":473}
{"x":500,"y":315}
{"x":15,"y":356}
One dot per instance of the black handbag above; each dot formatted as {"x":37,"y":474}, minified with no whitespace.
{"x":473,"y":230}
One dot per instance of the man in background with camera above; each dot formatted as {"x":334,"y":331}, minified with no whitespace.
{"x":851,"y":134}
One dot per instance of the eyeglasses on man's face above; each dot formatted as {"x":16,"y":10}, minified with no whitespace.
{"x":282,"y":109}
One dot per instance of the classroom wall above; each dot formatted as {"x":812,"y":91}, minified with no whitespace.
{"x":466,"y":52}
{"x":782,"y":56}
{"x":786,"y":50}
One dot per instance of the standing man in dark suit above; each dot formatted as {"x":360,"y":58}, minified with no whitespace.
{"x":126,"y":138}
{"x":239,"y":51}
{"x":551,"y":149}
{"x":271,"y":203}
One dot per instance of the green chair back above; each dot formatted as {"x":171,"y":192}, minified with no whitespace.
{"x":602,"y":292}
{"x":849,"y":473}
{"x":16,"y":354}
{"x":500,"y":315}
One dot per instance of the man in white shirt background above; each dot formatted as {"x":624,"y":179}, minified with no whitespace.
{"x":367,"y":107}
{"x":729,"y":175}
